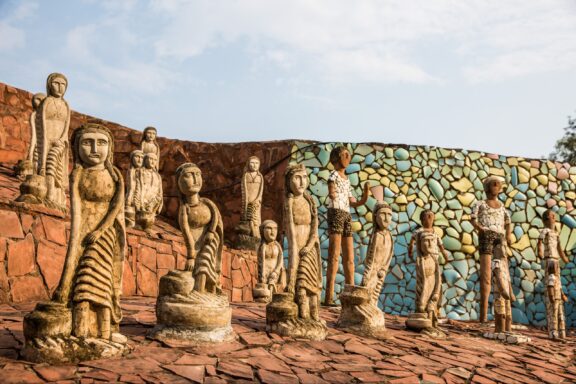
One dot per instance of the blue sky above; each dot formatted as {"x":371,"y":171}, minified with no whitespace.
{"x":492,"y":75}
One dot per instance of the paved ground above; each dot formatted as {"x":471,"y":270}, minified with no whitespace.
{"x":464,"y":357}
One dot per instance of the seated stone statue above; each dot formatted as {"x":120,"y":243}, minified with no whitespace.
{"x":82,"y":320}
{"x":191,"y":307}
{"x":360,"y":313}
{"x":270,"y":264}
{"x":148,"y":203}
{"x":296,"y":312}
{"x":133,"y":186}
{"x":49,"y":182}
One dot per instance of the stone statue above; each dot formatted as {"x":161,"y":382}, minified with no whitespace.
{"x":270,"y":264}
{"x":550,"y":251}
{"x":296,"y":312}
{"x":191,"y":308}
{"x":133,"y":186}
{"x":252,"y":189}
{"x":52,"y":119}
{"x":82,"y":320}
{"x":340,"y":200}
{"x":27,"y":167}
{"x":492,"y":222}
{"x":360,"y":313}
{"x":503,"y":294}
{"x":428,"y":277}
{"x":148,"y":203}
{"x":149,"y":144}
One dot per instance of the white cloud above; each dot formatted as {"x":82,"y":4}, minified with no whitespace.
{"x":11,"y":38}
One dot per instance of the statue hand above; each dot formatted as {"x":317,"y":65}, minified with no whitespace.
{"x":189,"y":265}
{"x":509,"y":239}
{"x":564,"y":298}
{"x":304,"y":251}
{"x":272,"y":277}
{"x":512,"y":297}
{"x":91,"y":238}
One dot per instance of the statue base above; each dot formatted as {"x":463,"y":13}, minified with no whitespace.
{"x":33,"y":191}
{"x":261,"y":293}
{"x":420,"y":322}
{"x":47,"y":331}
{"x":186,"y":317}
{"x":247,"y":242}
{"x":144,"y":220}
{"x":359,"y":316}
{"x":282,"y":319}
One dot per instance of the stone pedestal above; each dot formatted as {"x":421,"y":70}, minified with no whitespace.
{"x":247,"y":242}
{"x":359,"y":316}
{"x":282,"y":318}
{"x":420,"y":322}
{"x":188,"y":317}
{"x":261,"y":293}
{"x":47,"y":331}
{"x":33,"y":190}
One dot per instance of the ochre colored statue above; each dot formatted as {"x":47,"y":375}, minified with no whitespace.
{"x":340,"y":221}
{"x":191,"y":307}
{"x":296,"y":312}
{"x":252,"y":189}
{"x":492,"y":222}
{"x":360,"y":313}
{"x":49,"y":182}
{"x":86,"y":303}
{"x":503,"y":294}
{"x":550,"y":251}
{"x":271,"y":274}
{"x":149,"y":144}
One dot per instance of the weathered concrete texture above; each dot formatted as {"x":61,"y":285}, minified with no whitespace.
{"x":222,"y":164}
{"x":267,"y":358}
{"x":33,"y":247}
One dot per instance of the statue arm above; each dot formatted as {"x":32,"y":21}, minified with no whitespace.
{"x":561,"y":252}
{"x":261,"y":189}
{"x":261,"y":259}
{"x":293,"y":256}
{"x":540,"y":248}
{"x":64,"y":135}
{"x":313,"y":238}
{"x":279,"y":260}
{"x":30,"y":155}
{"x":411,"y":247}
{"x":369,"y":261}
{"x":160,"y":195}
{"x":185,"y":228}
{"x":363,"y":199}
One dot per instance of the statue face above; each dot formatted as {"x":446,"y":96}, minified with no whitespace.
{"x":254,"y":165}
{"x":151,"y":162}
{"x":494,"y":187}
{"x":550,"y":219}
{"x":428,"y":220}
{"x":58,"y":87}
{"x":299,"y":183}
{"x":270,"y":232}
{"x":93,"y":148}
{"x":137,"y":160}
{"x":190,"y":181}
{"x":150,"y":135}
{"x":427,"y":245}
{"x":384,"y":218}
{"x":345,"y":158}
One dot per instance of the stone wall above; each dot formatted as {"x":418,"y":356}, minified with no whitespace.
{"x":33,"y":248}
{"x":448,"y":181}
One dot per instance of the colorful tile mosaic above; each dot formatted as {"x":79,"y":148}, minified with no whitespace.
{"x":449,"y":181}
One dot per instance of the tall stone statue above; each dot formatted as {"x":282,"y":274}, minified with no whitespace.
{"x":149,"y":144}
{"x":270,"y":264}
{"x":82,"y":320}
{"x":50,"y":179}
{"x":150,"y":200}
{"x":191,"y":308}
{"x":133,"y":186}
{"x":492,"y":222}
{"x":296,"y":312}
{"x":252,"y":189}
{"x":550,"y":251}
{"x":360,"y":313}
{"x":428,"y":277}
{"x":27,"y":166}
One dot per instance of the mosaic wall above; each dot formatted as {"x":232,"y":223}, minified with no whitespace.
{"x":449,"y":182}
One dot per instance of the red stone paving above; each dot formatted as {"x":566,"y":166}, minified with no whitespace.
{"x":464,"y":357}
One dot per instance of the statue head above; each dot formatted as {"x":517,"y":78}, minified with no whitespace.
{"x":149,"y":134}
{"x":492,"y":185}
{"x":269,"y":230}
{"x":151,"y":161}
{"x":189,"y":179}
{"x":549,"y":218}
{"x":93,"y":147}
{"x":427,"y":243}
{"x":295,"y":180}
{"x":382,"y":215}
{"x":340,"y":157}
{"x":56,"y":85}
{"x":427,"y":218}
{"x":136,"y":158}
{"x":37,"y":99}
{"x":252,"y":165}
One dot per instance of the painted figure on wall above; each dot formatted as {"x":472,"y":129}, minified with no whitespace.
{"x":340,"y":200}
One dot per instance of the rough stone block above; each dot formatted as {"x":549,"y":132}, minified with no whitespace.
{"x":21,"y":256}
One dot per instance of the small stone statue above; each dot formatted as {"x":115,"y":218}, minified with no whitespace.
{"x":149,"y":144}
{"x":133,"y":186}
{"x":270,"y":264}
{"x":360,"y":313}
{"x":503,"y":294}
{"x":252,"y":189}
{"x":492,"y":222}
{"x":550,"y":251}
{"x":52,"y":119}
{"x":27,"y":167}
{"x":428,"y":277}
{"x":148,"y":203}
{"x":296,"y":312}
{"x":82,"y":320}
{"x":191,"y":308}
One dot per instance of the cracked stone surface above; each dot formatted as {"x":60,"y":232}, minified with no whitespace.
{"x":464,"y":357}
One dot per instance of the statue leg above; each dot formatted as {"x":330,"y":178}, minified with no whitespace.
{"x":51,"y":188}
{"x":314,"y":304}
{"x":200,"y":283}
{"x":82,"y":319}
{"x":561,"y":321}
{"x":104,"y":322}
{"x":333,"y":255}
{"x":303,"y":304}
{"x":508,"y":325}
{"x":485,"y":276}
{"x":348,"y":259}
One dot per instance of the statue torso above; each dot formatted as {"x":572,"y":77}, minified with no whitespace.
{"x":302,"y":216}
{"x":55,"y":113}
{"x":253,"y":181}
{"x":96,"y":189}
